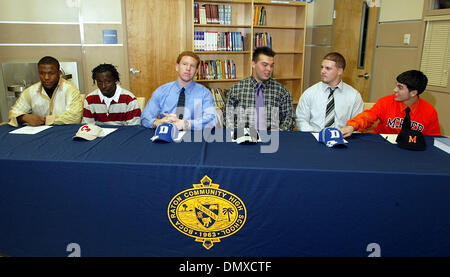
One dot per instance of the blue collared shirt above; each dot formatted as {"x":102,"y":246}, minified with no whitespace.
{"x":199,"y":105}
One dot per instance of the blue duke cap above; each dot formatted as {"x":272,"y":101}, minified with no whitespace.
{"x":165,"y":132}
{"x":331,"y":136}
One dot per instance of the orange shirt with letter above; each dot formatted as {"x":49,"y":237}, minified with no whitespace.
{"x":424,"y":117}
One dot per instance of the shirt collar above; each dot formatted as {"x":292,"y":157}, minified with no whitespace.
{"x":254,"y":82}
{"x":412,"y":108}
{"x":186,"y":88}
{"x":325,"y":87}
{"x":115,"y":97}
{"x":42,"y":90}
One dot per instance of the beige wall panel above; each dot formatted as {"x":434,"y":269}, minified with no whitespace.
{"x":35,"y":53}
{"x":310,"y":13}
{"x":93,"y":33}
{"x":39,"y":33}
{"x":101,"y":10}
{"x":401,"y":10}
{"x":322,"y":35}
{"x":98,"y":55}
{"x":3,"y":102}
{"x":308,"y":35}
{"x":440,"y":101}
{"x":313,"y":60}
{"x":322,"y":12}
{"x":391,"y":34}
{"x":390,"y":62}
{"x":39,"y":11}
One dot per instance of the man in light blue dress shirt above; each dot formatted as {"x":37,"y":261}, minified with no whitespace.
{"x":198,"y":109}
{"x":311,"y":113}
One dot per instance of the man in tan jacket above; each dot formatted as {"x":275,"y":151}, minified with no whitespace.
{"x":52,"y":101}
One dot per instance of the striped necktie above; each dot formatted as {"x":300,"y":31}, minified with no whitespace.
{"x":180,"y":105}
{"x":329,"y":114}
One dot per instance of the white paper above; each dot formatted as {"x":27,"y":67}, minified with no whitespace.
{"x":30,"y":130}
{"x":108,"y":131}
{"x":180,"y":136}
{"x":234,"y":140}
{"x":390,"y":137}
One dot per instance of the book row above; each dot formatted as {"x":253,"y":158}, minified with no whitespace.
{"x":218,"y":41}
{"x":260,"y":16}
{"x":219,"y":97}
{"x":212,"y":14}
{"x":216,"y":70}
{"x":262,"y":39}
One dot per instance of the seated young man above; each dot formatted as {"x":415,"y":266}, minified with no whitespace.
{"x":183,"y":102}
{"x":51,"y":101}
{"x":110,"y":104}
{"x":392,"y":109}
{"x":330,"y":102}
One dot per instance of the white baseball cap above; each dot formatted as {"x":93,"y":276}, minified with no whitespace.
{"x":89,"y":132}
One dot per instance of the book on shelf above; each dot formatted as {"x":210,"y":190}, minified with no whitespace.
{"x":196,"y":15}
{"x":216,"y":70}
{"x":219,"y":97}
{"x":262,"y":39}
{"x":443,"y":144}
{"x":212,"y":14}
{"x":218,"y":41}
{"x":260,"y":16}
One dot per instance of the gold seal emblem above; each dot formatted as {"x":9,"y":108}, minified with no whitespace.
{"x":207,"y":213}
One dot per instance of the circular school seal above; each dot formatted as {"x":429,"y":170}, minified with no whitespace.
{"x":207,"y":213}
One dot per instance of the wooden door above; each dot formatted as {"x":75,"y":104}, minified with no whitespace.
{"x":347,"y":35}
{"x":156,"y":35}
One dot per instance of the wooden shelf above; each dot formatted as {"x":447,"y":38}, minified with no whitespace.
{"x":277,"y":27}
{"x":217,"y":80}
{"x":222,"y":26}
{"x":270,"y":3}
{"x":224,"y":1}
{"x":286,"y":24}
{"x":221,"y":52}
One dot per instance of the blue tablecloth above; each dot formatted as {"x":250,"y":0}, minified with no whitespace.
{"x":110,"y":196}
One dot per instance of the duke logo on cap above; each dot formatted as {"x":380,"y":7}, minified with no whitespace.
{"x":89,"y":132}
{"x":331,"y":136}
{"x":165,"y":132}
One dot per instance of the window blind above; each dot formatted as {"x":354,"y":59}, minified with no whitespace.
{"x":436,"y":53}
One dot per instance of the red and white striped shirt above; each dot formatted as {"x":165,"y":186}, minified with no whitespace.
{"x":123,"y":109}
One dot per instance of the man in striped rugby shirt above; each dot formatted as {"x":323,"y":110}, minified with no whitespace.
{"x":110,"y":104}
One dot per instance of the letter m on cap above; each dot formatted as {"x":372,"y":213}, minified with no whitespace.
{"x":413,"y":139}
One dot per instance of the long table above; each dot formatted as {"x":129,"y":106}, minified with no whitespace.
{"x":123,"y":195}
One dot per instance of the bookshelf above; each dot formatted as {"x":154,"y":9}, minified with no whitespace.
{"x":285,"y":22}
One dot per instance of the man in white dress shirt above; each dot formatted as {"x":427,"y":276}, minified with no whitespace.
{"x":331,"y":102}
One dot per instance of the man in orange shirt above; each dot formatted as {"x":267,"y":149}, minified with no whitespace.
{"x":391,"y":109}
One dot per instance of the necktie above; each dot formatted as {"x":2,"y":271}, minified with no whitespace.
{"x":407,"y":120}
{"x":259,"y":108}
{"x":180,"y":105}
{"x":329,"y":114}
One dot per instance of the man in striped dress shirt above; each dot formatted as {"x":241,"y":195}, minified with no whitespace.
{"x":110,"y":104}
{"x":330,"y":102}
